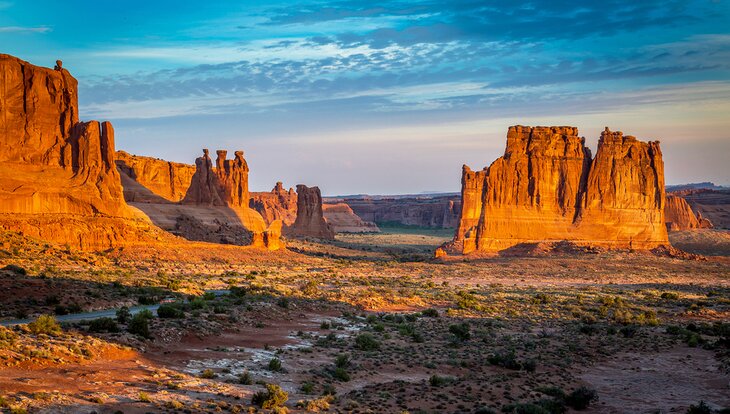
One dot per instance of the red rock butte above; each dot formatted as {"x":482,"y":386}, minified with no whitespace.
{"x":547,"y":187}
{"x":59,"y":181}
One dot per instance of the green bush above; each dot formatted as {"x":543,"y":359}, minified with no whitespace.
{"x":140,"y":325}
{"x":275,"y":365}
{"x":342,"y":361}
{"x":123,"y":315}
{"x":170,"y":312}
{"x":430,"y":312}
{"x":460,"y":331}
{"x":45,"y":324}
{"x":367,"y":342}
{"x":581,"y":398}
{"x":207,"y":374}
{"x":245,"y":378}
{"x":341,"y":374}
{"x":273,"y":397}
{"x":439,"y":381}
{"x":103,"y":325}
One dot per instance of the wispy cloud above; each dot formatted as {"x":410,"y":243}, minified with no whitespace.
{"x":22,"y":29}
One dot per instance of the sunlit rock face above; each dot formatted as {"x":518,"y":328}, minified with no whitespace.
{"x":169,"y":180}
{"x":278,"y":204}
{"x":679,"y":215}
{"x":310,"y":220}
{"x":343,"y":219}
{"x":548,"y":187}
{"x":226,"y":185}
{"x":59,"y":180}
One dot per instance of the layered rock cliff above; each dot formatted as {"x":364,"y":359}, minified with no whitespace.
{"x":59,"y":181}
{"x":310,"y":220}
{"x":165,"y":179}
{"x":547,"y":187}
{"x":278,"y":204}
{"x":679,"y":215}
{"x":343,"y":219}
{"x":423,"y":211}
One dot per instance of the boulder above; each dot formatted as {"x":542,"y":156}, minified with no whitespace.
{"x":547,"y":187}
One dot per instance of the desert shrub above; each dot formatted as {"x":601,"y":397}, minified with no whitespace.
{"x":542,"y":299}
{"x":307,"y":388}
{"x":283,"y":302}
{"x":581,"y":398}
{"x":341,"y":374}
{"x":273,"y":397}
{"x":45,"y":324}
{"x":103,"y":325}
{"x":144,"y":397}
{"x":147,"y":300}
{"x":207,"y":374}
{"x":60,"y":310}
{"x":275,"y":365}
{"x":670,"y":295}
{"x":324,"y":325}
{"x":245,"y":378}
{"x":342,"y":361}
{"x":430,"y":313}
{"x":15,"y":269}
{"x":175,"y":405}
{"x":170,"y":312}
{"x":367,"y":342}
{"x":439,"y":381}
{"x":316,"y":405}
{"x":238,"y":291}
{"x":484,"y":410}
{"x":460,"y":331}
{"x":469,"y":301}
{"x":123,"y":315}
{"x":140,"y":325}
{"x":74,"y":308}
{"x":6,"y":335}
{"x":525,"y":408}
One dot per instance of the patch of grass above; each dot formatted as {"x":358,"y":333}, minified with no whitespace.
{"x":274,"y":365}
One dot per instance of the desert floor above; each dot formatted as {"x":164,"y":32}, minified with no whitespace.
{"x":366,"y":323}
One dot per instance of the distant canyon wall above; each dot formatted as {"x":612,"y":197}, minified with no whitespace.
{"x":436,"y":212}
{"x":548,"y":187}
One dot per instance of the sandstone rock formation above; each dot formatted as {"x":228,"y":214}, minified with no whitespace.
{"x":59,"y":181}
{"x":310,"y":220}
{"x":169,"y":180}
{"x":278,"y":204}
{"x":343,"y":220}
{"x":678,"y":215}
{"x":713,"y":205}
{"x":440,"y":211}
{"x":547,"y":187}
{"x":226,"y":185}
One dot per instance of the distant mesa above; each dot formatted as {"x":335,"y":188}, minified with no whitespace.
{"x":548,"y":188}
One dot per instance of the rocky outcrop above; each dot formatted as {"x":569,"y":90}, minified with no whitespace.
{"x":547,"y":187}
{"x":678,"y":215}
{"x":59,"y":180}
{"x":712,"y":205}
{"x":440,"y":211}
{"x":343,"y":220}
{"x":160,"y":178}
{"x":310,"y":220}
{"x":278,"y":204}
{"x":226,"y":186}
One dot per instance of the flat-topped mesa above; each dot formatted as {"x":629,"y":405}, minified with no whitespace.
{"x":277,"y":204}
{"x":52,"y":165}
{"x":547,"y":188}
{"x":310,"y":220}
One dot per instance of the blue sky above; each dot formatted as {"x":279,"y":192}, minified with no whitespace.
{"x":393,"y":97}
